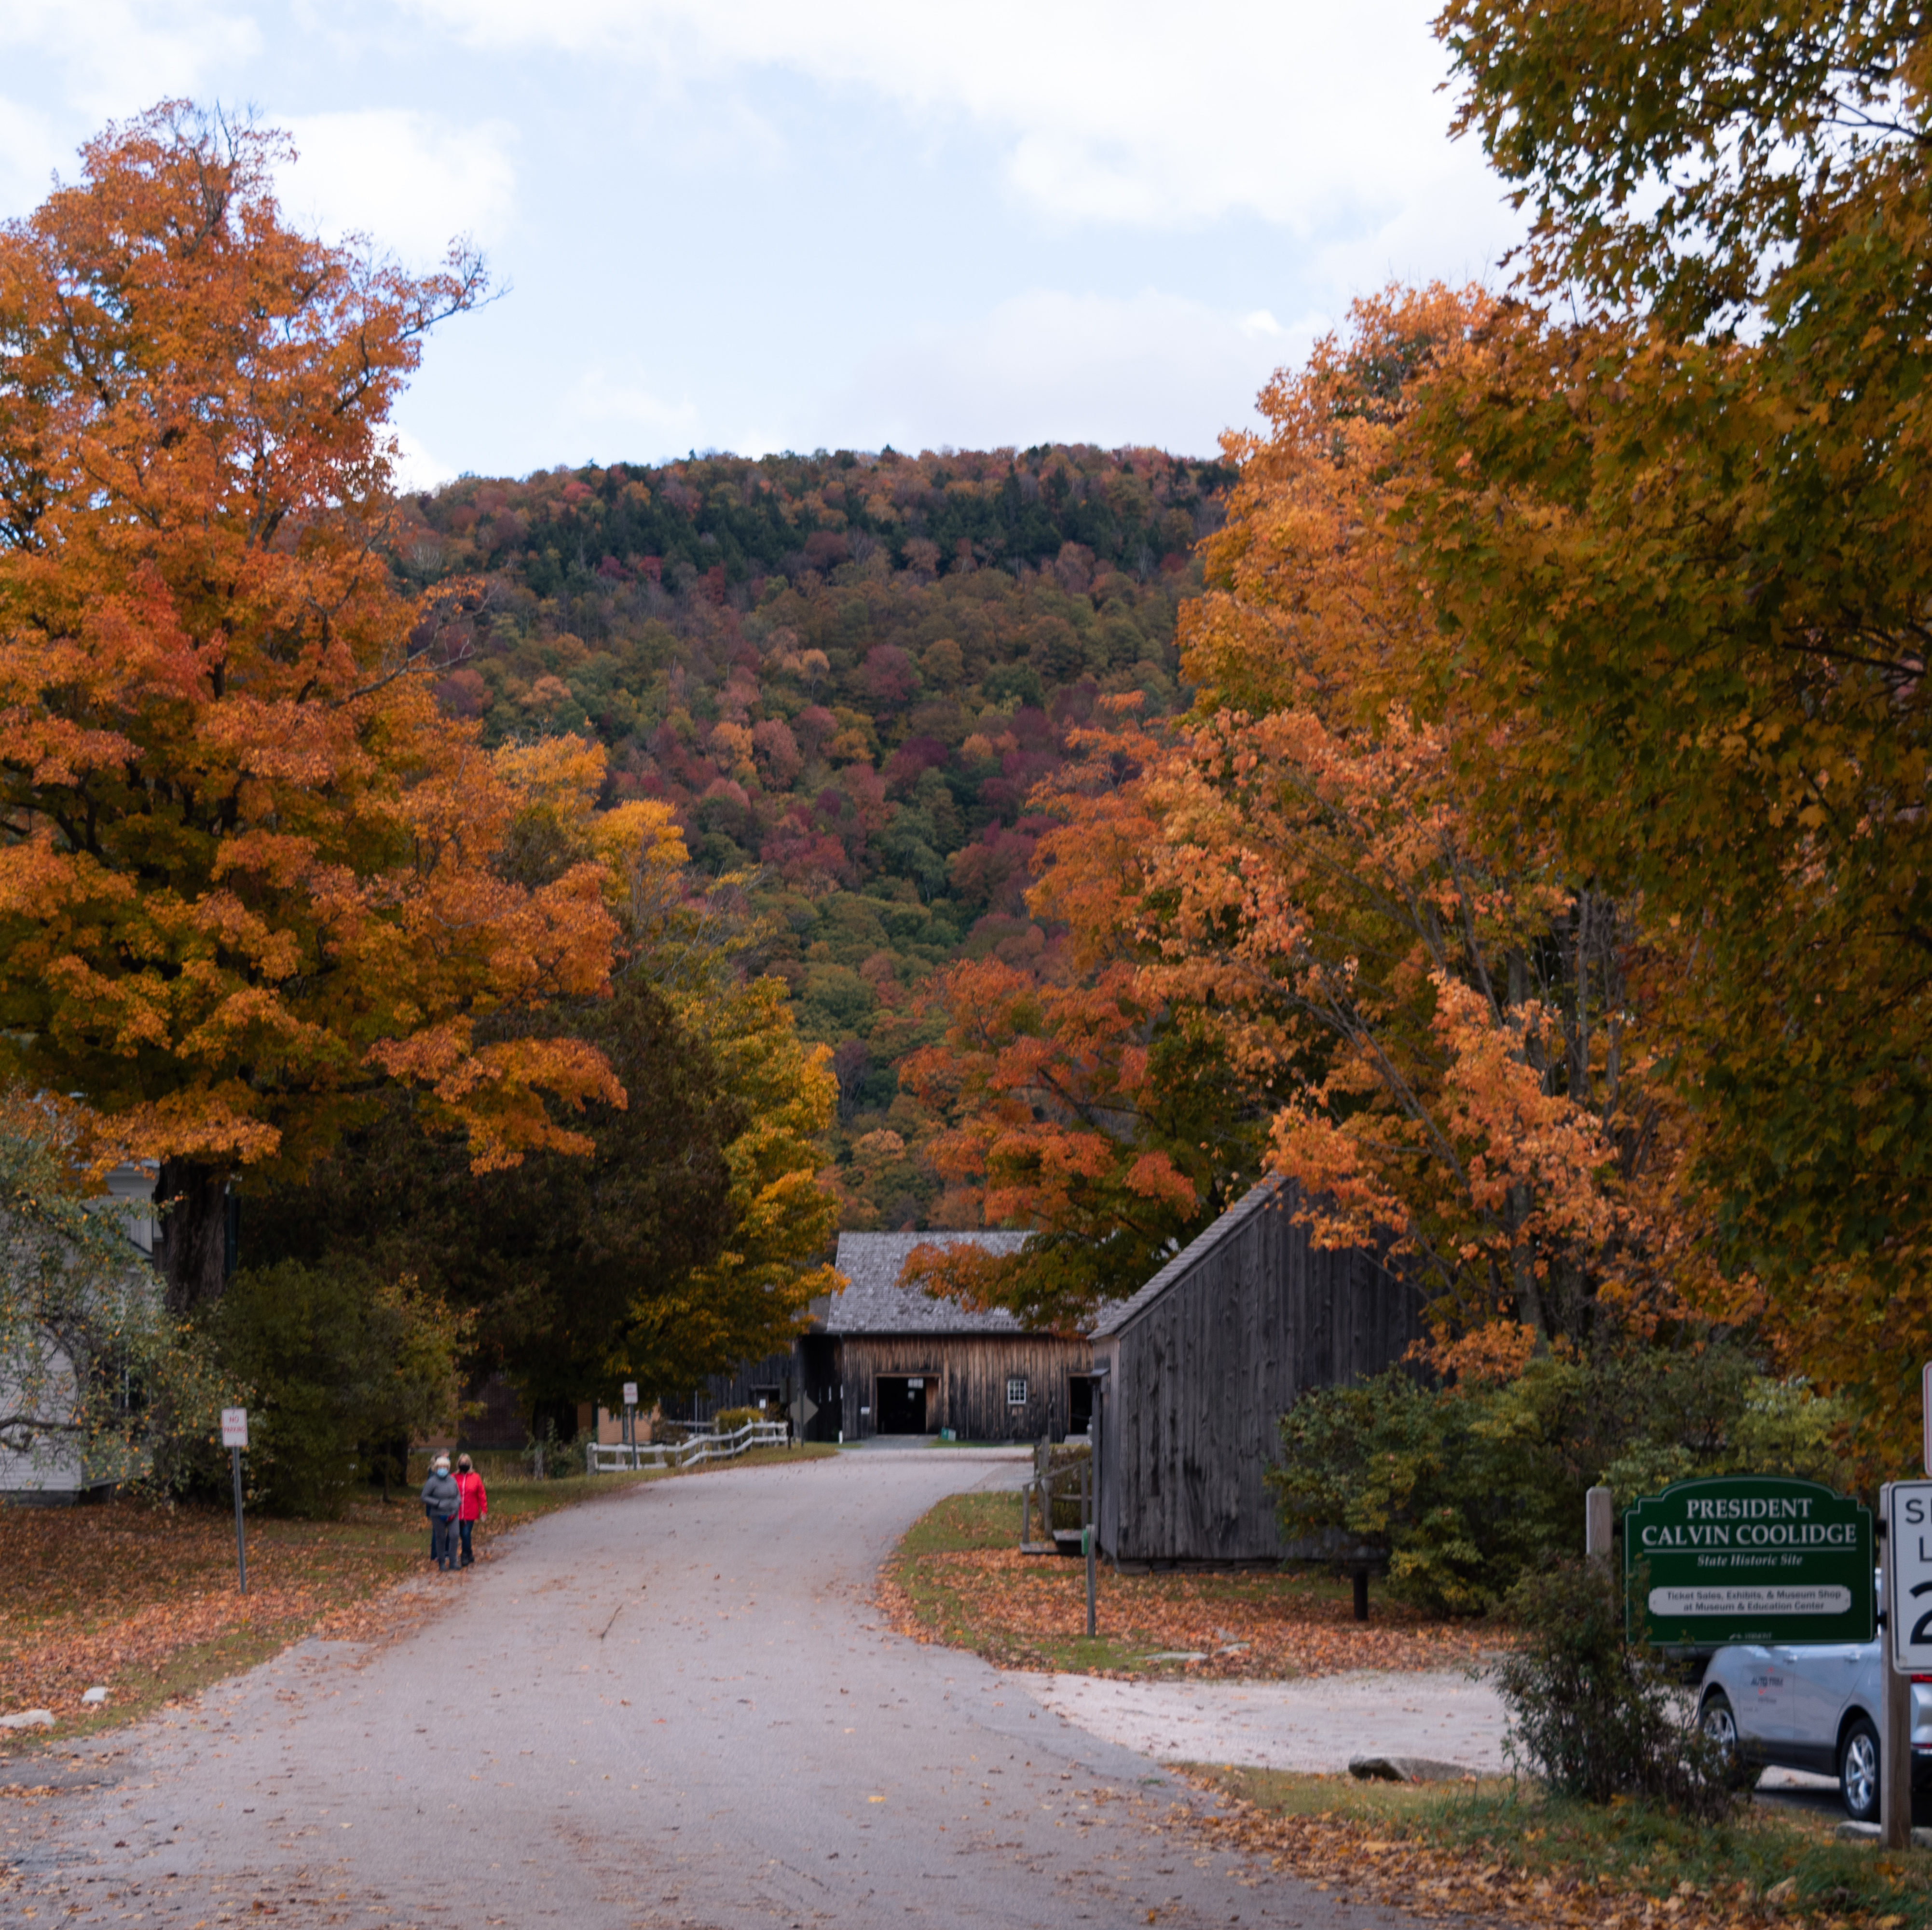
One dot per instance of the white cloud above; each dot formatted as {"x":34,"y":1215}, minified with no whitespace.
{"x":31,"y":152}
{"x":414,"y":467}
{"x":1306,"y":113}
{"x":117,"y":53}
{"x":410,"y":182}
{"x":1050,"y":366}
{"x":615,"y":408}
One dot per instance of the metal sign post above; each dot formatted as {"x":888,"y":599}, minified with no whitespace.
{"x":235,"y":1438}
{"x":630,"y":1420}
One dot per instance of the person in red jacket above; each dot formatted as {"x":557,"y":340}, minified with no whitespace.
{"x":474,"y":1505}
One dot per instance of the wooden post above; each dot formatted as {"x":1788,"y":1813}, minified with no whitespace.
{"x":1894,"y":1727}
{"x":241,"y":1544}
{"x":1361,"y":1581}
{"x":1599,"y":1525}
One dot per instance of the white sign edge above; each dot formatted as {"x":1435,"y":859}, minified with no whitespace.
{"x":1896,"y":1618}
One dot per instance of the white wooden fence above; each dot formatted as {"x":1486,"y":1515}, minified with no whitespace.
{"x":617,"y":1456}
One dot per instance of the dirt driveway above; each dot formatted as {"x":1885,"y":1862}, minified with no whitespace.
{"x":672,"y":1707}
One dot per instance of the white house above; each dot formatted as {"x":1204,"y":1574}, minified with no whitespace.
{"x":37,"y":1380}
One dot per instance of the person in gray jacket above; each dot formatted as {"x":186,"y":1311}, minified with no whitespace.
{"x":441,"y":1499}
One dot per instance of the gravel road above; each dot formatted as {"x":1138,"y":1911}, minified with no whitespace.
{"x":672,"y":1707}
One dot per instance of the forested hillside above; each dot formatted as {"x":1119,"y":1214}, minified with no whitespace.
{"x":846,"y":674}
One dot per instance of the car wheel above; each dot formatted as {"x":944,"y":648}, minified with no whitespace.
{"x":1857,"y":1771}
{"x":1720,"y":1723}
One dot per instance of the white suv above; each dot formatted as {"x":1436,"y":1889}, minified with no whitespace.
{"x":1812,"y":1706}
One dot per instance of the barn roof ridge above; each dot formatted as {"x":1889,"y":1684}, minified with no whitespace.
{"x":874,"y":1302}
{"x":1124,"y":1312}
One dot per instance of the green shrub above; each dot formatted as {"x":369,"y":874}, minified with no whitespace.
{"x":1595,"y":1717}
{"x":1465,"y":1490}
{"x":548,"y":1458}
{"x":729,"y":1420}
{"x":347,"y":1368}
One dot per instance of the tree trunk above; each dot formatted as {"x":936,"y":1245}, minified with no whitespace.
{"x":193,"y":1248}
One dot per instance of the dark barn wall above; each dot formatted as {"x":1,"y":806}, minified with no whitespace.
{"x":818,"y":1381}
{"x":1198,"y":1377}
{"x":738,"y":1389}
{"x":971,"y":1372}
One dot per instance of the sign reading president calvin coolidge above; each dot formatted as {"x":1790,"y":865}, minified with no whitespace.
{"x":1750,"y":1558}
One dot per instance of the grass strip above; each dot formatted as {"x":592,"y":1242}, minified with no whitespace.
{"x":1506,"y":1849}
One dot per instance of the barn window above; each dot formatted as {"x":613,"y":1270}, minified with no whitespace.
{"x":1016,"y":1390}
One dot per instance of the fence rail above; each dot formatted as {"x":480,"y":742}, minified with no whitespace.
{"x":620,"y":1457}
{"x":1062,"y":1486}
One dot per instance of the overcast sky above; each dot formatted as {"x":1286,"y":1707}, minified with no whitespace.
{"x":804,"y":223}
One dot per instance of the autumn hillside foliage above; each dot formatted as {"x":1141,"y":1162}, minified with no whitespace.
{"x":845,"y":672}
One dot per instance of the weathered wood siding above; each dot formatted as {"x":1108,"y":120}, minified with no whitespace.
{"x":737,"y":1389}
{"x":966,"y":1376}
{"x":1198,"y":1377}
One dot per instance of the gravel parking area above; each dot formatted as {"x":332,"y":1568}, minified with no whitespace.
{"x":1317,"y":1725}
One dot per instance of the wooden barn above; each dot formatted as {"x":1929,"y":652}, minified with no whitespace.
{"x":1199,"y":1367}
{"x":772,"y":1380}
{"x":884,"y":1359}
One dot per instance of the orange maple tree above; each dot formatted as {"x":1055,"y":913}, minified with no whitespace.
{"x":246,"y":869}
{"x":1455,"y":1024}
{"x":1446,"y":1032}
{"x":1678,"y":525}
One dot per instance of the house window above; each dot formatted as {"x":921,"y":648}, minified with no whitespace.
{"x":1016,"y":1390}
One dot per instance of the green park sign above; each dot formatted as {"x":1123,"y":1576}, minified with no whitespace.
{"x":1749,"y":1558}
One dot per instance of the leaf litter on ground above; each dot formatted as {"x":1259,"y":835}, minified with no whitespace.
{"x":958,"y":1578}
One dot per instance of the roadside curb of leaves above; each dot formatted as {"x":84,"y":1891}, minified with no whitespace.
{"x":1010,"y":1605}
{"x":1357,"y":1860}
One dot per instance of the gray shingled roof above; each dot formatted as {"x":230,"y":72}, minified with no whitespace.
{"x":1113,"y":1318}
{"x":874,"y":1302}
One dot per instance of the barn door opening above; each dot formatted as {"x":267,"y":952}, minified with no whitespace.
{"x":899,"y":1406}
{"x":1079,"y":1404}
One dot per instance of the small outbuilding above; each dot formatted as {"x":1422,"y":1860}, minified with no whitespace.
{"x":881,"y":1358}
{"x":1196,"y":1370}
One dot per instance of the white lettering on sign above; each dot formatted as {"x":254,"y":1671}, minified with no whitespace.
{"x":1908,"y":1613}
{"x":1783,"y":1534}
{"x":234,"y":1427}
{"x":1749,"y":1507}
{"x":1746,"y":1602}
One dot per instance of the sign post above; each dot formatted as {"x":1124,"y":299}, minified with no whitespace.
{"x":630,"y":1420}
{"x":1750,"y":1558}
{"x":1908,"y":1647}
{"x":235,"y":1438}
